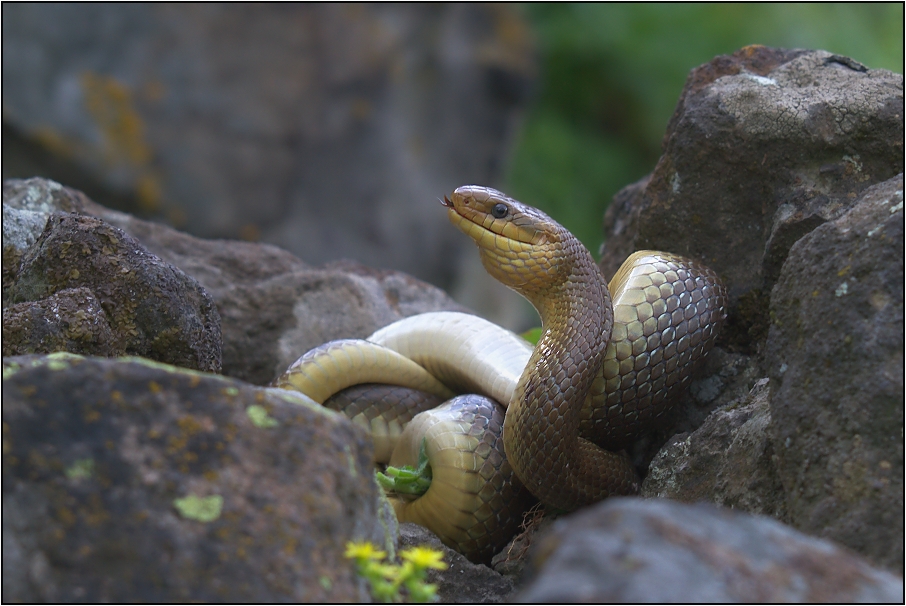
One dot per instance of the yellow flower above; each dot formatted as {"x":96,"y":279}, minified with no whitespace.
{"x":363,"y":551}
{"x":424,"y":557}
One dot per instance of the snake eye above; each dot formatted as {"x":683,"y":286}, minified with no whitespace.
{"x":500,"y":210}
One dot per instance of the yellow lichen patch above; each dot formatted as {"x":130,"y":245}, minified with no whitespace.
{"x":55,"y":143}
{"x":110,"y":103}
{"x":259,"y":417}
{"x":90,"y":415}
{"x":201,"y":509}
{"x":81,"y":469}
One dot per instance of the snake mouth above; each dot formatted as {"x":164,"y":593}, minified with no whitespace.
{"x":493,"y":220}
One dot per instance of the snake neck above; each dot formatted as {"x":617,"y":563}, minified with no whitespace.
{"x":541,"y":427}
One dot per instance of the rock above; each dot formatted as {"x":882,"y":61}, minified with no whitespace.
{"x":127,"y":480}
{"x":729,"y":461}
{"x":153,"y":309}
{"x":329,"y":130}
{"x":273,"y":306}
{"x":635,"y":550}
{"x":766,"y":150}
{"x":835,"y":353}
{"x":462,"y":582}
{"x":764,"y":145}
{"x":511,"y":561}
{"x":25,"y":212}
{"x":70,"y":320}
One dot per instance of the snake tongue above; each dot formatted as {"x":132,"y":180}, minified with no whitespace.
{"x":446,"y":202}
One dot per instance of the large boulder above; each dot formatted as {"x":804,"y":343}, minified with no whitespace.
{"x":327,"y":129}
{"x":835,"y":355}
{"x":764,"y":146}
{"x":657,"y":550}
{"x":783,"y":170}
{"x":127,"y":480}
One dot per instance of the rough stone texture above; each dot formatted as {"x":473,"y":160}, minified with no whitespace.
{"x":329,"y":130}
{"x":70,"y":320}
{"x":97,"y":451}
{"x":462,"y":582}
{"x":25,"y":212}
{"x":727,"y":461}
{"x":835,"y":353}
{"x":634,"y":550}
{"x":153,"y":309}
{"x":764,"y":145}
{"x":767,"y":148}
{"x":273,"y":307}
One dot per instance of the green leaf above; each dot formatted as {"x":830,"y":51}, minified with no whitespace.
{"x":407,"y":479}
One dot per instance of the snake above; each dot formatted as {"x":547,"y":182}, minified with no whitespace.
{"x":548,"y":421}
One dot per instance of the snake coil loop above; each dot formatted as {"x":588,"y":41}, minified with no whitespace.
{"x":606,"y":367}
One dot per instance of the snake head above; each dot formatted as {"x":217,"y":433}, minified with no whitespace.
{"x":520,"y":246}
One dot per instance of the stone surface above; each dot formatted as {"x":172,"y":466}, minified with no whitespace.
{"x":25,"y":212}
{"x":462,"y":582}
{"x":273,"y":306}
{"x":764,"y":145}
{"x":98,"y":455}
{"x":729,"y":460}
{"x":329,"y":130}
{"x":635,"y":550}
{"x":152,"y":308}
{"x":768,"y":148}
{"x":835,"y":353}
{"x":70,"y":320}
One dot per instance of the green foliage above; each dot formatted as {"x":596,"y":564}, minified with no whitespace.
{"x":388,"y":580}
{"x":532,"y":335}
{"x":407,"y":479}
{"x":612,"y":74}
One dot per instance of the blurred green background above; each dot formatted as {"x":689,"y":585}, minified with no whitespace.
{"x":612,"y":74}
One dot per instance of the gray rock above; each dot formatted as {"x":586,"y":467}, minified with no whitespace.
{"x":328,"y":130}
{"x":153,"y":309}
{"x":70,"y":320}
{"x":764,"y":145}
{"x":462,"y":582}
{"x":100,"y":454}
{"x":635,"y":550}
{"x":835,"y":353}
{"x":766,"y":150}
{"x":273,"y":307}
{"x":25,"y":212}
{"x":729,"y":460}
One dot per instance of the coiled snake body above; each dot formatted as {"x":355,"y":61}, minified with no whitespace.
{"x":602,"y":371}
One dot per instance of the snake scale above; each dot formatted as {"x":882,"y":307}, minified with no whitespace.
{"x":605,"y":368}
